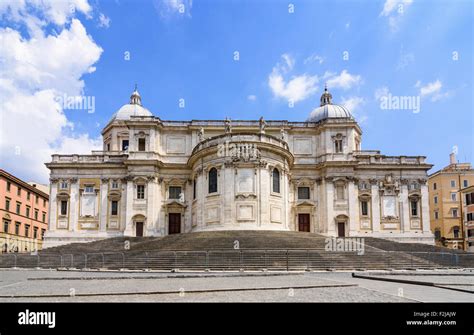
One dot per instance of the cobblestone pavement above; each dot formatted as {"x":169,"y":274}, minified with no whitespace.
{"x":238,"y":287}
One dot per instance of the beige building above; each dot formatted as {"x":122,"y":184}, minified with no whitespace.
{"x":446,"y":202}
{"x":157,"y":177}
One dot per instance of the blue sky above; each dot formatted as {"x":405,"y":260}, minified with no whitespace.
{"x":286,"y":53}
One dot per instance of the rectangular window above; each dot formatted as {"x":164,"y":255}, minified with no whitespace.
{"x":453,"y":183}
{"x":340,"y":192}
{"x":453,"y":196}
{"x":35,"y":232}
{"x":194,"y":189}
{"x":18,"y":192}
{"x":140,"y":191}
{"x":114,"y":184}
{"x":27,"y":230}
{"x":36,"y":200}
{"x":18,"y":208}
{"x":42,"y":233}
{"x":436,"y":214}
{"x":8,"y":186}
{"x":303,"y":192}
{"x":364,"y":208}
{"x":435,"y":199}
{"x":141,"y":144}
{"x":338,"y":146}
{"x":28,"y":195}
{"x":174,"y":192}
{"x":63,"y":207}
{"x":36,"y":214}
{"x":456,"y":232}
{"x":124,"y":145}
{"x":414,"y":208}
{"x":434,"y":186}
{"x":63,"y":185}
{"x":89,"y":189}
{"x":17,"y":228}
{"x":108,"y":146}
{"x":28,"y":211}
{"x":7,"y":204}
{"x":455,"y":213}
{"x":114,"y":207}
{"x":465,"y":183}
{"x":437,"y":234}
{"x":43,"y":218}
{"x":470,"y":216}
{"x":6,"y":226}
{"x":469,"y":199}
{"x":44,"y":202}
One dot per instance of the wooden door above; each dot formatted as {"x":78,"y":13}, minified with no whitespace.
{"x":303,"y":222}
{"x":174,"y":223}
{"x":341,"y":231}
{"x":139,"y":229}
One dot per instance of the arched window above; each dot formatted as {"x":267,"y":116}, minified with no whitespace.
{"x":213,"y":180}
{"x":276,"y":181}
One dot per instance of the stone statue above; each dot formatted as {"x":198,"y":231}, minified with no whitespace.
{"x":228,"y":126}
{"x":263,"y":124}
{"x":201,"y":134}
{"x":283,"y":134}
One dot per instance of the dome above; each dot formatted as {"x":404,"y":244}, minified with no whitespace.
{"x":328,"y":110}
{"x":134,"y":108}
{"x":128,"y":110}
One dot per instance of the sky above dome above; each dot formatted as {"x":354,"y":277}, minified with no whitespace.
{"x":209,"y":59}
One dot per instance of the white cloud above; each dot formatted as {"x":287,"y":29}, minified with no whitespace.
{"x":344,"y":80}
{"x":295,"y":89}
{"x":170,"y":8}
{"x":36,"y":14}
{"x":353,"y":103}
{"x":391,"y":6}
{"x":432,"y":90}
{"x":405,"y":59}
{"x":381,"y":92}
{"x":314,"y":58}
{"x":35,"y":72}
{"x":252,"y":97}
{"x":394,"y":10}
{"x":104,"y":21}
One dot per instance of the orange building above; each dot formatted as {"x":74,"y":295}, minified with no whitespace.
{"x":468,"y":203}
{"x":24,"y":213}
{"x":446,"y":203}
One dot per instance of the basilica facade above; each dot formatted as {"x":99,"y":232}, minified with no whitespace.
{"x":156,"y":177}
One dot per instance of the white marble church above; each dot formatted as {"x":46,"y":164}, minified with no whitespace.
{"x":156,"y":177}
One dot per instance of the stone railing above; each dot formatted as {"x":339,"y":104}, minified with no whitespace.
{"x":240,"y":138}
{"x":94,"y":158}
{"x":389,"y":160}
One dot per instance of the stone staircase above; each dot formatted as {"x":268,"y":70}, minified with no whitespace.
{"x":256,"y":250}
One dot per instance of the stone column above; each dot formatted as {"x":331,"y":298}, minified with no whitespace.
{"x":150,"y":206}
{"x":225,"y":188}
{"x":129,"y":209}
{"x":53,"y":206}
{"x":263,"y":182}
{"x":405,"y":215}
{"x":353,"y":209}
{"x":425,"y":209}
{"x":104,"y":208}
{"x":375,"y":207}
{"x":331,"y":224}
{"x":74,"y":206}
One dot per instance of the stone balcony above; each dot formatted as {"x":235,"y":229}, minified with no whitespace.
{"x":240,"y":138}
{"x":95,"y":157}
